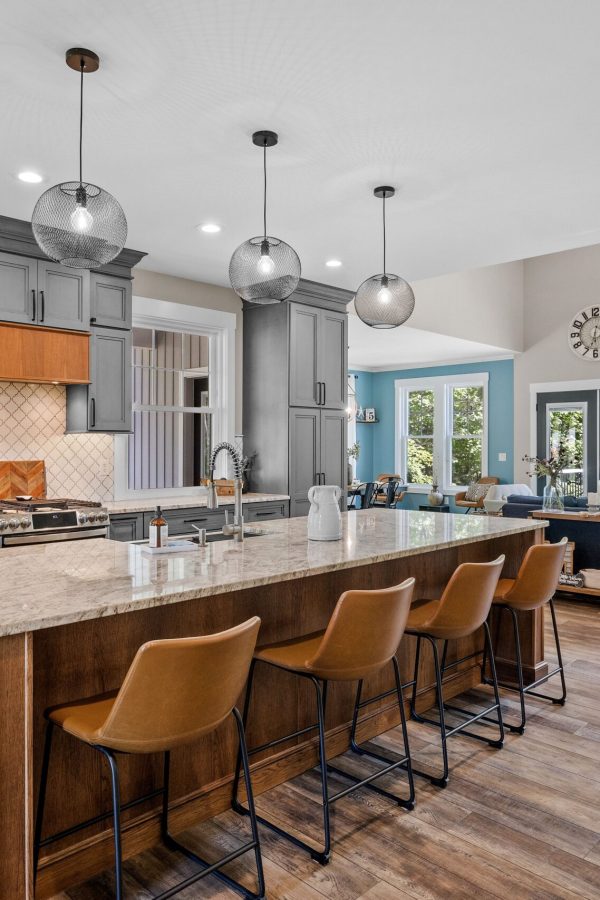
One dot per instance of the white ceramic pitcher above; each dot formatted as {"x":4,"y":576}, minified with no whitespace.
{"x":324,"y":517}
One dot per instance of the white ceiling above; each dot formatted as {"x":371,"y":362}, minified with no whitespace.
{"x":483,"y":114}
{"x":398,"y":348}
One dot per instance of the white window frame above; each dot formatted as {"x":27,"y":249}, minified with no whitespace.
{"x":442,"y":386}
{"x":219,"y":327}
{"x":557,"y":407}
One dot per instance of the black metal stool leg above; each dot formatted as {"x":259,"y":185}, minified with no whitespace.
{"x":488,"y":645}
{"x":443,"y":781}
{"x":413,"y":698}
{"x":323,"y":857}
{"x":518,"y":729}
{"x":235,"y":803}
{"x":42,"y":797}
{"x":560,"y":700}
{"x":116,"y":804}
{"x":353,"y":744}
{"x":410,"y":804}
{"x":251,"y":807}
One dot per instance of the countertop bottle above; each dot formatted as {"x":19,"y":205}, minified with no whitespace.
{"x":159,"y":530}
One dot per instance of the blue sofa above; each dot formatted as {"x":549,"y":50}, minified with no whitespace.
{"x":586,"y":535}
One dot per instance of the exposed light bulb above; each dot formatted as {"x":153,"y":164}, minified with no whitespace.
{"x":266,"y":266}
{"x":384,"y":295}
{"x":81,"y":219}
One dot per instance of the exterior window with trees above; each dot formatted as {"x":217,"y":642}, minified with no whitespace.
{"x":441,"y":430}
{"x":566,"y":430}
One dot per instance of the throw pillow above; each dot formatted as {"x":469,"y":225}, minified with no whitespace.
{"x":476,"y":491}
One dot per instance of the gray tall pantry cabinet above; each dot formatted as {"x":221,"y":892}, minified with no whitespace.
{"x":295,"y":392}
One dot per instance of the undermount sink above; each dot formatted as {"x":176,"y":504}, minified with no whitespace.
{"x":212,"y":536}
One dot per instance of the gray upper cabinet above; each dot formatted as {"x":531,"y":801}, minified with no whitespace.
{"x":63,"y":297}
{"x":104,"y":404}
{"x":110,"y":373}
{"x":318,"y":354}
{"x":110,"y":301}
{"x":18,"y":286}
{"x":304,"y":355}
{"x":40,"y":292}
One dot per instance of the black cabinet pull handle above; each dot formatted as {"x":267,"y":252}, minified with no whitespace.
{"x":318,"y":384}
{"x":43,"y":306}
{"x":93,"y":412}
{"x":191,"y":521}
{"x":323,"y":477}
{"x":33,"y":305}
{"x":324,"y":394}
{"x":268,"y":512}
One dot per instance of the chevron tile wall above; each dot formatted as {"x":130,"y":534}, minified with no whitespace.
{"x":32,"y":425}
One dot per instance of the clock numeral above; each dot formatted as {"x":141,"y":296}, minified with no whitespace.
{"x":575,"y":334}
{"x":595,"y":310}
{"x":577,"y":323}
{"x":595,"y":354}
{"x":585,"y":316}
{"x":587,"y":350}
{"x":577,"y":344}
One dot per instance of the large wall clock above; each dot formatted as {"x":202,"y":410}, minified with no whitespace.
{"x":584,"y":333}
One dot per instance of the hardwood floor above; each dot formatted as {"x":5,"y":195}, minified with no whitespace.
{"x":522,"y":822}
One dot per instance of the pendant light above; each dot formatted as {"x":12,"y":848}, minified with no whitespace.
{"x":77,"y":223}
{"x":264,"y":269}
{"x":384,"y":301}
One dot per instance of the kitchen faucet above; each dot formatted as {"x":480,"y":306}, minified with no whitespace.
{"x":237,"y":529}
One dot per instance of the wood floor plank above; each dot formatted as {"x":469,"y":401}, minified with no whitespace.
{"x":521,"y":822}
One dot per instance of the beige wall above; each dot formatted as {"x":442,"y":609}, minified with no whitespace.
{"x":484,"y":305}
{"x":157,"y":286}
{"x":555,"y":287}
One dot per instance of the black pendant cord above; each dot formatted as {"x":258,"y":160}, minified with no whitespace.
{"x":265,"y":190}
{"x":384,"y":272}
{"x":82,"y":66}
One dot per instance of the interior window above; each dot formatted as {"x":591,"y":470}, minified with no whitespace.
{"x":419,"y":444}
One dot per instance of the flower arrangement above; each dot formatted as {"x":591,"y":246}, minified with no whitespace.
{"x":354,"y":451}
{"x":552,"y":466}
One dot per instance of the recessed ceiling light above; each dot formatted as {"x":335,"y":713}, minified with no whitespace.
{"x":209,"y":228}
{"x":333,"y":263}
{"x":30,"y":177}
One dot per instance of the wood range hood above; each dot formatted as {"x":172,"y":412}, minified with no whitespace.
{"x":43,"y":355}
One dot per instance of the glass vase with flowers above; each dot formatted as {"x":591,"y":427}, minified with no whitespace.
{"x":551,"y":468}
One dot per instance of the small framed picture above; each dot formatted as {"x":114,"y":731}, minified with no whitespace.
{"x":369,"y":415}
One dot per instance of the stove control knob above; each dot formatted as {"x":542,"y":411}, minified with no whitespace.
{"x":13,"y":524}
{"x":26,"y":522}
{"x":102,"y":517}
{"x":3,"y":524}
{"x":91,"y":517}
{"x":82,"y":518}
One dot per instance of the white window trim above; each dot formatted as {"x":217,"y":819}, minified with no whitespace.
{"x":220,"y":327}
{"x":442,"y":433}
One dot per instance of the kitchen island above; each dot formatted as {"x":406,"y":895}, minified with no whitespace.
{"x":73,"y":615}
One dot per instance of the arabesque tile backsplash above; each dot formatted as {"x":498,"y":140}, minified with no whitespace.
{"x":32,"y":426}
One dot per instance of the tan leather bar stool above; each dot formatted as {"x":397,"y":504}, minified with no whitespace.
{"x":534,"y":587}
{"x":361,"y":638}
{"x":174,"y":692}
{"x":462,"y":610}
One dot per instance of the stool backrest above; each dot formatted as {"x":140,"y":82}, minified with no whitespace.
{"x":465,"y":604}
{"x":364,"y":632}
{"x":176,"y":690}
{"x":538,"y":576}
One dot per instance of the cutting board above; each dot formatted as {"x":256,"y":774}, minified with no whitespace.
{"x":22,"y":476}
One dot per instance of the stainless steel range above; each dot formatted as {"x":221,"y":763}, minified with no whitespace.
{"x":44,"y":521}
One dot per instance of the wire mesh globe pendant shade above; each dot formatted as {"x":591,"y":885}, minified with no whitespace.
{"x":79,"y":224}
{"x":385,"y":300}
{"x":264,"y":269}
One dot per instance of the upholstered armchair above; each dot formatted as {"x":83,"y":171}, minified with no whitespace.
{"x":475,"y":499}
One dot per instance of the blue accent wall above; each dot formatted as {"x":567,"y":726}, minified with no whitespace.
{"x":377,"y":441}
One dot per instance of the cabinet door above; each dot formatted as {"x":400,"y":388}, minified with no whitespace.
{"x":63,"y":297}
{"x":333,"y":353}
{"x":334,"y":468}
{"x":126,"y":528}
{"x":110,"y":301}
{"x":109,"y":398}
{"x":304,"y":358}
{"x":259,"y":512}
{"x":305,"y":457}
{"x":18,"y":284}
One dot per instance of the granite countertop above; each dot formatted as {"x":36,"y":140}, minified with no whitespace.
{"x":133,"y":506}
{"x":46,"y":585}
